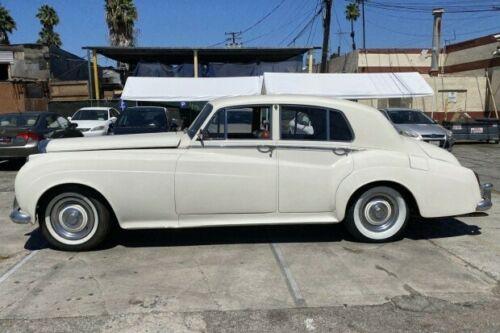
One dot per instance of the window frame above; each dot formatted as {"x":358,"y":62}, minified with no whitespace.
{"x":327,"y":123}
{"x":252,"y":106}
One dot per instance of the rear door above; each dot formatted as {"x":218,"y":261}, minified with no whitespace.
{"x":313,"y":158}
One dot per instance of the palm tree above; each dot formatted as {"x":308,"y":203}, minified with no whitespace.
{"x":48,"y":19}
{"x":120,"y":17}
{"x":352,"y":14}
{"x":7,"y":25}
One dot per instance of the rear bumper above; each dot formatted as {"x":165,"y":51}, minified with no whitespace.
{"x":19,"y":151}
{"x":486,"y":203}
{"x":18,"y":216}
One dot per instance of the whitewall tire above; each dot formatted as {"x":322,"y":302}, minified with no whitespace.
{"x":378,"y":214}
{"x":74,"y":220}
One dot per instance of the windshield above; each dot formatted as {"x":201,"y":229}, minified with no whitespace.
{"x":143,"y":117}
{"x":91,"y":115}
{"x":195,"y":126}
{"x":18,"y":120}
{"x":409,"y":117}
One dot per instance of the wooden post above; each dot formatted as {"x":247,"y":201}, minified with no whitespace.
{"x":195,"y":62}
{"x":310,"y":61}
{"x":96,"y":75}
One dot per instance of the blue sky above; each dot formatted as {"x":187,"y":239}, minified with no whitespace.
{"x":203,"y":22}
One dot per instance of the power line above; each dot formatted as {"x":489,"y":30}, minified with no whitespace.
{"x":264,"y":17}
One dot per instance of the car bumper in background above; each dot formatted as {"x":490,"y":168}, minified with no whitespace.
{"x":18,"y":151}
{"x":18,"y":216}
{"x":486,"y":203}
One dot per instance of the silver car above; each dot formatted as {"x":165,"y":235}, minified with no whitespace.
{"x":416,"y":124}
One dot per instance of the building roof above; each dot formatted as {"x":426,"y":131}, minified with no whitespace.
{"x":179,"y":55}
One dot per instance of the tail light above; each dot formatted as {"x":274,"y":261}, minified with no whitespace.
{"x":28,"y":136}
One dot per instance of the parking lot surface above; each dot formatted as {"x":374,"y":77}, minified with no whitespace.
{"x":443,"y":276}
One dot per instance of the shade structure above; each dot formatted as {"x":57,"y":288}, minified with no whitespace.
{"x":180,"y":89}
{"x":348,"y":85}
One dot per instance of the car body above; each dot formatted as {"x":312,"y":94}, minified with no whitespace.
{"x":230,"y":168}
{"x":94,"y":121}
{"x":20,"y":133}
{"x":143,"y":119}
{"x":416,"y":124}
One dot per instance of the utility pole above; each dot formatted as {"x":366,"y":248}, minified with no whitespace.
{"x":436,"y":40}
{"x":339,"y":34}
{"x":327,"y":14}
{"x":234,"y":39}
{"x":364,"y":25}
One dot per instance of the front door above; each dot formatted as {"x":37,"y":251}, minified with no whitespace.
{"x":234,"y":169}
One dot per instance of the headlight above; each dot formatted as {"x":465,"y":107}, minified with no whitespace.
{"x":97,"y":128}
{"x":412,"y":134}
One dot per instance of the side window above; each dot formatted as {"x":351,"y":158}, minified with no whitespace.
{"x":51,"y":122}
{"x":244,"y":122}
{"x":303,"y":123}
{"x":339,"y":128}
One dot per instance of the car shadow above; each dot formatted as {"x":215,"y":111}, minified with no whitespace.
{"x":319,"y":233}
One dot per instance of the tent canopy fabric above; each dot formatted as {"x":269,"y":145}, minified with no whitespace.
{"x":183,"y":89}
{"x":348,"y":85}
{"x":341,"y":85}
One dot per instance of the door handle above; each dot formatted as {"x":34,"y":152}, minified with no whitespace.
{"x":266,"y":149}
{"x":341,"y":151}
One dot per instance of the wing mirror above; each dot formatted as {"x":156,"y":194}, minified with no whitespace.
{"x":202,"y":136}
{"x":69,"y":118}
{"x":113,"y":119}
{"x":73,"y":125}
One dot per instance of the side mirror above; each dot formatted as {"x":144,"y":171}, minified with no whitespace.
{"x":73,"y":125}
{"x":69,"y":118}
{"x":202,"y":135}
{"x":113,"y":119}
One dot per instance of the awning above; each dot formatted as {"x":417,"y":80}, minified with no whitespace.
{"x":348,"y":85}
{"x":180,"y":89}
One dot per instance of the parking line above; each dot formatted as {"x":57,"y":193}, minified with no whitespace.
{"x":17,"y":266}
{"x":292,"y":285}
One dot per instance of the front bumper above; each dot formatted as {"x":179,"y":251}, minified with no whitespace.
{"x":18,"y":216}
{"x":486,"y":203}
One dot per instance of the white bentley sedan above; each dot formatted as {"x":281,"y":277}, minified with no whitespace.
{"x":246,"y":160}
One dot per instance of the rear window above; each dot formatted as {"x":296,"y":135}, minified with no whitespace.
{"x":20,"y":120}
{"x":145,"y":118}
{"x":91,"y":115}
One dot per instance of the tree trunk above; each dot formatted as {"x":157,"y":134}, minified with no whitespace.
{"x":352,"y":36}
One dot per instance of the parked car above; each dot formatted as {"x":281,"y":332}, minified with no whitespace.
{"x":223,"y":172}
{"x":143,"y":119}
{"x":20,"y":133}
{"x":94,"y":121}
{"x":416,"y":124}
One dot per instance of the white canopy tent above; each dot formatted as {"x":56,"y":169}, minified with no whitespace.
{"x":341,"y":85}
{"x":348,"y":85}
{"x":179,"y":89}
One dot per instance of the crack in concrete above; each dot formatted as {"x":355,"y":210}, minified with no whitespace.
{"x":388,"y":272}
{"x":98,"y":283}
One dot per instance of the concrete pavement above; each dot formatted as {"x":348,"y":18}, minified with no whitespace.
{"x":443,"y":276}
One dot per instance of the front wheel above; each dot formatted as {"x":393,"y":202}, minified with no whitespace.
{"x":75,"y":220}
{"x":378,"y":214}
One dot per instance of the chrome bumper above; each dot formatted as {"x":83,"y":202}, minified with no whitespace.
{"x":486,"y":203}
{"x":18,"y":216}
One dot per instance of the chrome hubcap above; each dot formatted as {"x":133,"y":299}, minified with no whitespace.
{"x":72,"y":216}
{"x":379,"y":212}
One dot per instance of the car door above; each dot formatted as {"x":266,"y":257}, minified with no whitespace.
{"x":233,"y":170}
{"x":313,"y":157}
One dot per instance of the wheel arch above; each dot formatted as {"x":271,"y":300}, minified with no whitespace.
{"x":44,"y":198}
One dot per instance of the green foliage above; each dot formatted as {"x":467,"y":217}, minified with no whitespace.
{"x":7,"y":25}
{"x":120,"y":17}
{"x":352,"y":13}
{"x":48,"y":19}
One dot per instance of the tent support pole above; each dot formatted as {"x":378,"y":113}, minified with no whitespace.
{"x":310,"y":61}
{"x":488,"y":82}
{"x":96,"y":74}
{"x":195,"y":62}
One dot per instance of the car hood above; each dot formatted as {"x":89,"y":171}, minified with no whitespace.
{"x":89,"y":123}
{"x":114,"y":142}
{"x":422,"y":129}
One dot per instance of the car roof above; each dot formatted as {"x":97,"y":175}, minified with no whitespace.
{"x":103,"y":108}
{"x":401,"y":109}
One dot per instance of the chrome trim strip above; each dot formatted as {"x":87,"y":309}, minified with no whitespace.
{"x":279,"y":146}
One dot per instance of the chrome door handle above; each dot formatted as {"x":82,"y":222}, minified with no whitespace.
{"x":341,"y":151}
{"x":266,"y":149}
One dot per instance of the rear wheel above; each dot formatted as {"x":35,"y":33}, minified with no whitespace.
{"x":378,"y":214}
{"x":75,"y":220}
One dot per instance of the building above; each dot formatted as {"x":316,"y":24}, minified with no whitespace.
{"x":468,"y":80}
{"x":33,"y":74}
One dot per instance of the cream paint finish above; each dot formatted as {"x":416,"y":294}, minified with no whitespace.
{"x":169,"y":180}
{"x":226,"y":178}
